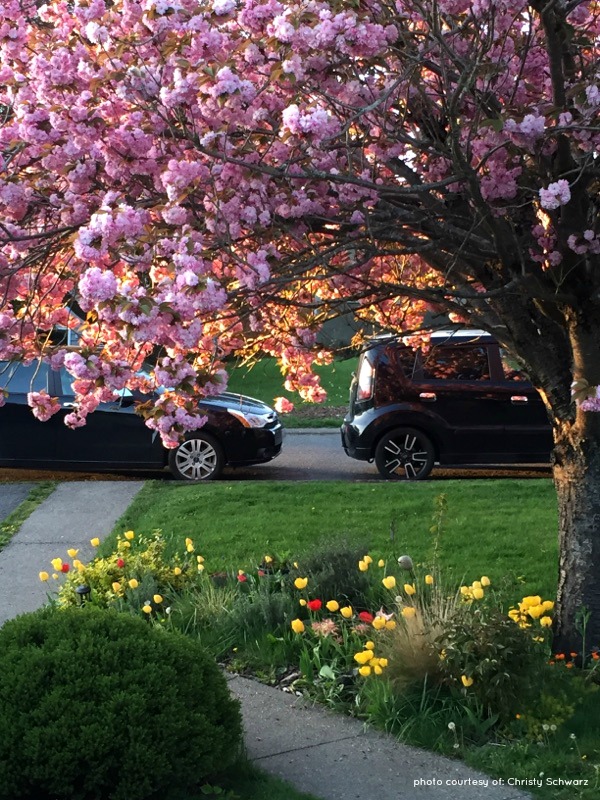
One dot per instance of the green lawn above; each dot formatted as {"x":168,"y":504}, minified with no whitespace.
{"x":505,"y":529}
{"x":498,"y":528}
{"x":265,"y":382}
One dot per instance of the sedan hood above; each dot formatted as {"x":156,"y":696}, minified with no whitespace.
{"x":238,"y":402}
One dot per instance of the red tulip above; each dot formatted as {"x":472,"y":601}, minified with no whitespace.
{"x":366,"y":617}
{"x":120,"y":563}
{"x":314,"y":605}
{"x":64,"y":568}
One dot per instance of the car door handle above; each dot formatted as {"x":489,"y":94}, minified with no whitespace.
{"x":519,"y":400}
{"x":428,"y":397}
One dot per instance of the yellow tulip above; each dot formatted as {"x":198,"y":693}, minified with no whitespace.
{"x":548,"y":605}
{"x":485,"y":581}
{"x":268,"y":560}
{"x":536,"y":611}
{"x":302,"y":601}
{"x":297,"y":626}
{"x":200,"y":559}
{"x":476,"y":585}
{"x":389,"y":582}
{"x":116,"y":586}
{"x":532,"y":600}
{"x":408,"y":612}
{"x":189,"y":546}
{"x":301,"y":583}
{"x":363,"y":566}
{"x":54,"y":576}
{"x":466,"y":682}
{"x":478,"y":592}
{"x":78,"y":565}
{"x":124,"y":545}
{"x":95,"y":542}
{"x":346,"y":612}
{"x":383,"y":662}
{"x":44,"y":576}
{"x":200,"y":567}
{"x":377,"y":669}
{"x":133,"y":584}
{"x":368,"y":559}
{"x":390,"y":624}
{"x":129,"y":535}
{"x":464,"y":590}
{"x":369,"y":645}
{"x":409,"y":588}
{"x":57,"y":564}
{"x":332,"y":605}
{"x":147,"y":609}
{"x":72,"y":552}
{"x":429,"y":580}
{"x":378,"y":623}
{"x":177,"y":571}
{"x":365,"y":671}
{"x":545,"y":622}
{"x":381,"y":563}
{"x":157,"y":598}
{"x":363,"y":656}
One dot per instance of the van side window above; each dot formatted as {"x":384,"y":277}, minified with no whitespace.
{"x":396,"y":365}
{"x":19,"y":378}
{"x":512,"y":371}
{"x":466,"y":363}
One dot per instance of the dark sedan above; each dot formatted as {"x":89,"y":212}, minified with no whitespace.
{"x":239,"y":431}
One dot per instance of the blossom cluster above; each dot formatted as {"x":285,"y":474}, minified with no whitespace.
{"x":162,"y":170}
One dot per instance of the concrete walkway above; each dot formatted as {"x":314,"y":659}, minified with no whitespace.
{"x":325,"y":754}
{"x":73,"y":514}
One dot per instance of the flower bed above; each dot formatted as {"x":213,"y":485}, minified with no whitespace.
{"x":443,"y":666}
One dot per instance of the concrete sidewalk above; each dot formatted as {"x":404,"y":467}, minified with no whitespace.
{"x":336,"y":758}
{"x":73,"y":514}
{"x":325,"y":754}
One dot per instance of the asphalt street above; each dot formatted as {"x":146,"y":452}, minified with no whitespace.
{"x":310,"y":455}
{"x":11,"y":496}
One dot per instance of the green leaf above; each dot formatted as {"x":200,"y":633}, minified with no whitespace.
{"x":327,"y":672}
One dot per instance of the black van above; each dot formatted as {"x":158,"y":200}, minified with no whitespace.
{"x":461,"y":401}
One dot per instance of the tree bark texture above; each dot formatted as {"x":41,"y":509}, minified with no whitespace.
{"x":577,"y":480}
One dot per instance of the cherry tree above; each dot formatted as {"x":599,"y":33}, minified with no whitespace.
{"x":183,"y":180}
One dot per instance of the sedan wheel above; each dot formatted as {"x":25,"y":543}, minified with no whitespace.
{"x":199,"y":458}
{"x":405,"y":454}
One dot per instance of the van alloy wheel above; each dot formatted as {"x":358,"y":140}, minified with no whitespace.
{"x":405,"y":454}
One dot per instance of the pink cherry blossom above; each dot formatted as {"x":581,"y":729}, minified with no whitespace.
{"x":282,"y":405}
{"x":555,"y":195}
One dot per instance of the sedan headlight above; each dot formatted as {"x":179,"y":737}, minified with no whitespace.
{"x":250,"y":420}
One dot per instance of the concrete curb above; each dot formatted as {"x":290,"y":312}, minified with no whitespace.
{"x":312,"y":431}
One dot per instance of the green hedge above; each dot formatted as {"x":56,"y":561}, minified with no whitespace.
{"x":96,"y":705}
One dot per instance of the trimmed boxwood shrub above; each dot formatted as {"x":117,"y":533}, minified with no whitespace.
{"x":97,"y":705}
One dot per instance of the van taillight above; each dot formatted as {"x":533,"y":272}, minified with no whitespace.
{"x":366,"y":380}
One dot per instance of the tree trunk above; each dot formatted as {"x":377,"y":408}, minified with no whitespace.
{"x":577,"y":480}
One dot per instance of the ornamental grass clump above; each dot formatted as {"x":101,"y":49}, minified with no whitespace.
{"x":97,"y":704}
{"x":460,"y":639}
